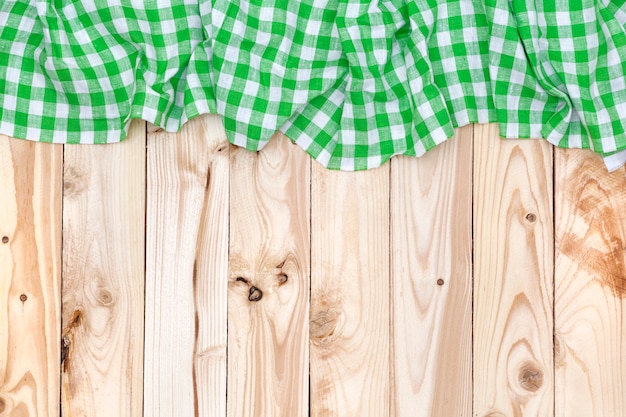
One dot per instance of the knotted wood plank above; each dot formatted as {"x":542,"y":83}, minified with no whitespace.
{"x":350,"y":308}
{"x":103,"y":277}
{"x":186,"y":271}
{"x":513,"y":276}
{"x":268,"y":297}
{"x":431,"y":271}
{"x":30,"y":277}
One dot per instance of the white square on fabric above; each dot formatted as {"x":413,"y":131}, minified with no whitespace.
{"x":244,"y":114}
{"x":59,"y":136}
{"x":89,"y":6}
{"x":324,"y":156}
{"x":425,"y":110}
{"x":321,"y":120}
{"x":225,"y":80}
{"x":36,"y":108}
{"x":17,"y":49}
{"x":240,"y":140}
{"x":449,"y":65}
{"x":9,"y":102}
{"x":251,"y":88}
{"x":26,"y":24}
{"x":33,"y":133}
{"x":303,"y":140}
{"x":443,"y":39}
{"x":566,"y":45}
{"x":347,"y":164}
{"x":144,"y":26}
{"x":148,"y":114}
{"x":308,"y":53}
{"x":373,"y":161}
{"x":563,"y":18}
{"x":82,"y":37}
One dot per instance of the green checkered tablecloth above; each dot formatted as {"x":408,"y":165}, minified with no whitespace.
{"x":353,"y":82}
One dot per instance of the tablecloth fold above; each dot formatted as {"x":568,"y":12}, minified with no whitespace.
{"x":353,"y":82}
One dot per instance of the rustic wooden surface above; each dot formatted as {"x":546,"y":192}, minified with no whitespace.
{"x":590,"y":288}
{"x":431,"y":251}
{"x":273,"y":287}
{"x":185,"y":364}
{"x":513,"y":270}
{"x":103,"y":277}
{"x":30,"y":277}
{"x":268,"y":297}
{"x":350,"y":293}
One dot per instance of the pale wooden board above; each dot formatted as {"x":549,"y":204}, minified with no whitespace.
{"x":211,"y":279}
{"x":590,"y":290}
{"x":268,"y":298}
{"x":103,"y":277}
{"x":186,"y":258}
{"x":350,"y":317}
{"x":431,"y":240}
{"x":513,"y":276}
{"x":30,"y":277}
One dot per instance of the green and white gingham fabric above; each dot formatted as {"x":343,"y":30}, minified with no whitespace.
{"x":353,"y":82}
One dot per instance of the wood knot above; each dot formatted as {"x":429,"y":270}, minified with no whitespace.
{"x":105,"y":298}
{"x":440,"y":281}
{"x":74,"y":182}
{"x":5,"y":239}
{"x":255,"y":294}
{"x":530,"y":378}
{"x":323,"y":325}
{"x":282,"y":279}
{"x":66,"y":344}
{"x":23,"y":297}
{"x":531,"y":217}
{"x":66,"y":340}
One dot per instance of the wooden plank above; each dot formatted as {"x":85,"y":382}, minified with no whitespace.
{"x":186,"y":261}
{"x":210,"y":279}
{"x":590,"y":287}
{"x":350,"y":293}
{"x":103,"y":277}
{"x":30,"y":277}
{"x":268,"y":298}
{"x":431,"y":247}
{"x":513,"y":276}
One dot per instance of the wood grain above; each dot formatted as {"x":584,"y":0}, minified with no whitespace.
{"x":590,"y":287}
{"x":211,"y":278}
{"x":513,"y":276}
{"x":186,"y":258}
{"x":350,"y":293}
{"x":103,"y":277}
{"x":431,"y":271}
{"x":268,"y":299}
{"x":30,"y":277}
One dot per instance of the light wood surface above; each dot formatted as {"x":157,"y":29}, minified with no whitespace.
{"x":211,"y":277}
{"x":513,"y":276}
{"x":103,"y":277}
{"x":184,"y":354}
{"x":590,"y":290}
{"x":268,"y":299}
{"x":431,"y":250}
{"x":30,"y":277}
{"x":350,"y":293}
{"x":273,"y":287}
